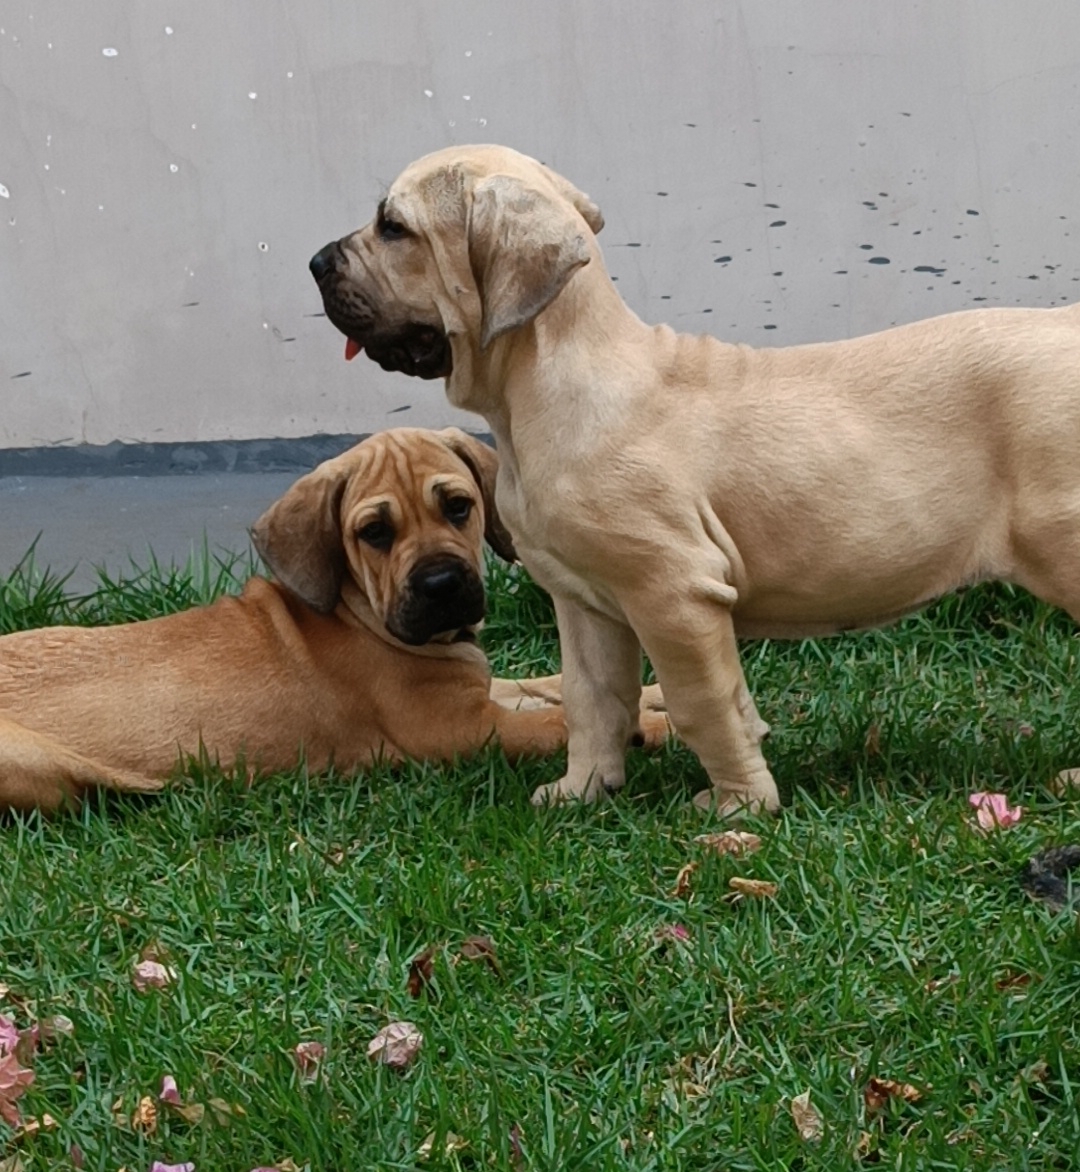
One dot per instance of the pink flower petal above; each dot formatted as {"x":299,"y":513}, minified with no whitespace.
{"x":671,"y":932}
{"x":170,"y":1092}
{"x":993,"y":812}
{"x":151,"y":974}
{"x":158,"y":1166}
{"x":14,"y":1079}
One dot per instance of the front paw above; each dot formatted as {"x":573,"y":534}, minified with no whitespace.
{"x":653,"y":730}
{"x":567,"y":789}
{"x":740,"y":803}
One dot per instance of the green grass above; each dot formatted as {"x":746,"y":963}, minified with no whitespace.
{"x":898,"y":945}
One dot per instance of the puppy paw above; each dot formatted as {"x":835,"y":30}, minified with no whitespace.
{"x":567,"y":789}
{"x":737,"y":804}
{"x":653,"y":730}
{"x":652,"y":699}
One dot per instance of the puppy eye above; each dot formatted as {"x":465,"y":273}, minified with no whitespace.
{"x":378,"y":534}
{"x":392,"y":229}
{"x":457,"y":509}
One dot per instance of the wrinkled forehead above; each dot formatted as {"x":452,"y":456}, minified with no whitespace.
{"x":405,"y":466}
{"x":446,"y":174}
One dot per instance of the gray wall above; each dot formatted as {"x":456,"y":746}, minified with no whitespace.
{"x":772,"y":172}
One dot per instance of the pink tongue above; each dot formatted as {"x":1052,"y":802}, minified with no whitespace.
{"x":351,"y":349}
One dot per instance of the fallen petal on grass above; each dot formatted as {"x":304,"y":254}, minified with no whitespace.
{"x":396,"y":1045}
{"x":14,"y":1079}
{"x":308,"y":1056}
{"x":158,"y":1166}
{"x":756,"y":888}
{"x":807,"y":1118}
{"x":993,"y":812}
{"x":170,"y":1092}
{"x":151,"y":974}
{"x":669,"y":932}
{"x":730,"y":842}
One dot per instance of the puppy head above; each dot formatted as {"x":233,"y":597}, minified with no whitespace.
{"x":469,"y":241}
{"x":403,"y":514}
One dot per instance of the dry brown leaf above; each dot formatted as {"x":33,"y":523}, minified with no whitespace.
{"x":480,"y":948}
{"x":144,"y":1117}
{"x":807,"y":1118}
{"x":757,"y":888}
{"x":517,"y":1154}
{"x":872,"y":741}
{"x":1037,"y":1072}
{"x":12,"y":1164}
{"x":420,"y":973}
{"x":730,"y":842}
{"x":878,"y":1092}
{"x":682,"y":880}
{"x":396,"y":1045}
{"x":451,"y":1143}
{"x":33,"y":1125}
{"x":1066,"y":783}
{"x":1011,"y":982}
{"x":119,"y":1115}
{"x":189,"y":1112}
{"x":224,"y":1112}
{"x":865,"y":1145}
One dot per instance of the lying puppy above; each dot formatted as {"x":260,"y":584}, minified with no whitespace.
{"x":363,"y":649}
{"x":673,"y":492}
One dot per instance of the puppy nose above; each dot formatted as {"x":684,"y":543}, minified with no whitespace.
{"x":440,"y":584}
{"x":324,"y":261}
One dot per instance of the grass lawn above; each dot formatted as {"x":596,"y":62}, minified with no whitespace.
{"x":618,"y":1025}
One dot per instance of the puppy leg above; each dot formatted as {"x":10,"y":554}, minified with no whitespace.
{"x":697,"y":663}
{"x":530,"y":732}
{"x":601,"y":692}
{"x":36,"y":772}
{"x":539,"y":692}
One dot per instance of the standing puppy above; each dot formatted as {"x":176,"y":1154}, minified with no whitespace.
{"x":673,"y":491}
{"x":364,"y":648}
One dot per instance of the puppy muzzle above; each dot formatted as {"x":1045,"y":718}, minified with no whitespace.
{"x":442,"y":594}
{"x":411,"y":347}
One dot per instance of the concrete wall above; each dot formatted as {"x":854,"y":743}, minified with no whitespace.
{"x":773,"y":172}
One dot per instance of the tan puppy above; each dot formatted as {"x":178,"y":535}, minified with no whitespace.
{"x":365,"y":650}
{"x":675,"y":491}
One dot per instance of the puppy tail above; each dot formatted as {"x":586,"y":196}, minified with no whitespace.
{"x":1045,"y":877}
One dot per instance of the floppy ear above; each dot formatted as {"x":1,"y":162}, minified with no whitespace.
{"x":299,"y":536}
{"x":483,"y":463}
{"x":588,"y":210}
{"x":523,"y":248}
